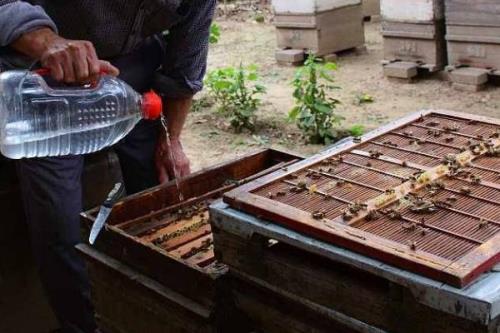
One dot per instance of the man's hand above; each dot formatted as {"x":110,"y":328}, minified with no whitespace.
{"x":167,"y":159}
{"x":71,"y":61}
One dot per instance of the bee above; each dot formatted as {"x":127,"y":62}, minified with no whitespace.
{"x":318,"y":215}
{"x":372,"y":215}
{"x":408,"y":133}
{"x":451,"y":198}
{"x":475,"y":179}
{"x":483,"y":224}
{"x":465,"y":190}
{"x":409,"y":227}
{"x":413,"y":245}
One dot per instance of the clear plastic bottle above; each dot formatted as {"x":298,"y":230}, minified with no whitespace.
{"x":38,"y":121}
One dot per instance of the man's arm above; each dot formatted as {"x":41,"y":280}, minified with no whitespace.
{"x":181,"y":78}
{"x":30,"y":31}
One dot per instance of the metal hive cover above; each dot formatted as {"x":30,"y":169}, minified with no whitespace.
{"x":422,"y":193}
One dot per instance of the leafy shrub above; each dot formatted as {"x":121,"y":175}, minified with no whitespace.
{"x":314,"y":112}
{"x":357,"y":130}
{"x":214,"y":33}
{"x":236,"y":91}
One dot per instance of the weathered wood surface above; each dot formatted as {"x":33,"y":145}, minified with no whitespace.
{"x":484,"y":13}
{"x":128,"y":302}
{"x":420,"y":43}
{"x":475,"y":46}
{"x":354,"y":293}
{"x":203,"y":181}
{"x":269,"y":312}
{"x":473,"y":29}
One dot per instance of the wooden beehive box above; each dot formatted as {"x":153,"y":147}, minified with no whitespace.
{"x":379,"y":268}
{"x":371,"y":8}
{"x":473,"y":33}
{"x":166,"y":240}
{"x":414,"y":31}
{"x":323,"y":27}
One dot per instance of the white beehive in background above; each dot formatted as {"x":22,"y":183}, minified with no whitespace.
{"x":473,"y":33}
{"x":371,"y":8}
{"x":309,"y":6}
{"x":320,"y":26}
{"x":413,"y":31}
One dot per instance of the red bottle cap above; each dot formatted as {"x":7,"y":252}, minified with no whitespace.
{"x":152,"y":106}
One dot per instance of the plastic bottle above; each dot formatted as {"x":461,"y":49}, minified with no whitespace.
{"x":39,"y":121}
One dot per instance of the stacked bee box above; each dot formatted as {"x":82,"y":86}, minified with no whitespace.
{"x":371,"y":8}
{"x":413,"y":33}
{"x":321,"y":26}
{"x":473,"y":36}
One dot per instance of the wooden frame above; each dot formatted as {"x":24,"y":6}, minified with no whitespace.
{"x":458,"y":273}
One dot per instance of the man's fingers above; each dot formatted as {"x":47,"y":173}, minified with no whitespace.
{"x":106,"y":67}
{"x":55,"y":68}
{"x":67,"y":66}
{"x":80,"y":64}
{"x":92,"y":59}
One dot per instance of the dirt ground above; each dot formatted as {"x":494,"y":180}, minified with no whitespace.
{"x":208,"y":140}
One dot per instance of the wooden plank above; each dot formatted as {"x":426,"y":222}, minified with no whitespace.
{"x":146,"y":306}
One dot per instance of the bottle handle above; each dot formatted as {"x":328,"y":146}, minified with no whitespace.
{"x":46,"y":72}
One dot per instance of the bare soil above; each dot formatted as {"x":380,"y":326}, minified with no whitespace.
{"x":209,"y":140}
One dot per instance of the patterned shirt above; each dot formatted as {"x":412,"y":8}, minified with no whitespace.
{"x":117,"y":27}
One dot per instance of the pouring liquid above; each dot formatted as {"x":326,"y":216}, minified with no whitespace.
{"x":171,"y":156}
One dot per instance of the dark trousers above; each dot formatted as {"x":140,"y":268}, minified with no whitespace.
{"x":52,"y":194}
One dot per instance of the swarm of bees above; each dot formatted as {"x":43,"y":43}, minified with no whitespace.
{"x":353,"y":210}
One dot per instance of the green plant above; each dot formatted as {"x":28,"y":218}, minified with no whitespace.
{"x":363,"y":99}
{"x":357,"y":130}
{"x":236,"y":91}
{"x":214,"y":33}
{"x":314,"y":112}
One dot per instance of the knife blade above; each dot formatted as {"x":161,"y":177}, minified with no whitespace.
{"x":106,"y":208}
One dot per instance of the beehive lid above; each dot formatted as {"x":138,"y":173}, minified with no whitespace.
{"x":423,"y":195}
{"x":287,"y":7}
{"x":413,"y":11}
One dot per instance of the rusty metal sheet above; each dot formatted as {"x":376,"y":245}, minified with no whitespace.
{"x":422,"y":194}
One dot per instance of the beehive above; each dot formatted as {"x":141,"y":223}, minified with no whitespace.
{"x":371,"y":8}
{"x":424,"y":196}
{"x":320,"y":26}
{"x":473,"y":33}
{"x":158,"y":232}
{"x":413,"y":31}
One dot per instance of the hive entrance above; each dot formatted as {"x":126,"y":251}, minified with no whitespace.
{"x":423,"y":195}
